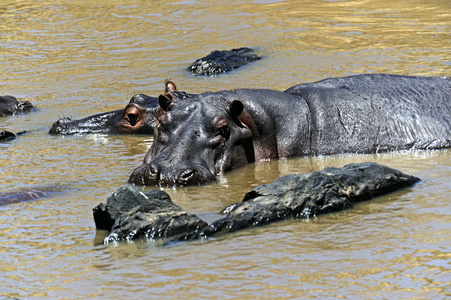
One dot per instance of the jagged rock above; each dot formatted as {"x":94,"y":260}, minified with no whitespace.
{"x":223,"y":61}
{"x":9,"y":105}
{"x":307,"y":195}
{"x":6,"y":136}
{"x":131,"y":213}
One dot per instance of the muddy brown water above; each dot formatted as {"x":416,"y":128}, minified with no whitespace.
{"x":76,"y":58}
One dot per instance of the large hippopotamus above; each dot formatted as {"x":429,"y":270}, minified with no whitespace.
{"x":138,"y":117}
{"x":213,"y":132}
{"x":9,"y":105}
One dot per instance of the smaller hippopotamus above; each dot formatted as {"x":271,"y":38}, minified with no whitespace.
{"x":138,"y":117}
{"x":223,"y":61}
{"x":9,"y":105}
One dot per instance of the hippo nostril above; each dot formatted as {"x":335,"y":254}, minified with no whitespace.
{"x":146,"y":174}
{"x":154,"y":170}
{"x":186,"y":176}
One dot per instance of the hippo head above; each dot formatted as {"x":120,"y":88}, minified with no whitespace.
{"x":138,"y":117}
{"x":195,"y":140}
{"x":9,"y":105}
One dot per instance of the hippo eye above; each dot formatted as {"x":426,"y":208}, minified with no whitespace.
{"x":221,"y":126}
{"x":224,"y":131}
{"x":165,"y":119}
{"x":160,"y":135}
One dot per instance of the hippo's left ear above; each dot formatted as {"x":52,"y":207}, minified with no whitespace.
{"x":165,"y":101}
{"x":236,"y":108}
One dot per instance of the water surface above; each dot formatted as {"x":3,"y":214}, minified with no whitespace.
{"x":77,"y":58}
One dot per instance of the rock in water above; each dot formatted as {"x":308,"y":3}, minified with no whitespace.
{"x":131,"y":213}
{"x":6,"y":136}
{"x":223,"y":61}
{"x":308,"y":195}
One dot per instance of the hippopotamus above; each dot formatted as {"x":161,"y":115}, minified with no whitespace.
{"x":223,"y":61}
{"x":9,"y":105}
{"x":138,"y":117}
{"x":210,"y":133}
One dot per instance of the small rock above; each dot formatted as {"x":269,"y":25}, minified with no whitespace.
{"x":131,"y":213}
{"x":223,"y":61}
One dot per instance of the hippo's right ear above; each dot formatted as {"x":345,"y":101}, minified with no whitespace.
{"x":169,"y":86}
{"x":236,"y":108}
{"x":165,"y":101}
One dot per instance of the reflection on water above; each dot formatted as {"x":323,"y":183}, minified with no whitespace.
{"x":76,"y":58}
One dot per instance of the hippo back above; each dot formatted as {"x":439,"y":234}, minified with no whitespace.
{"x":378,"y":112}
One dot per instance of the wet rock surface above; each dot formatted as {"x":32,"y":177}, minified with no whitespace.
{"x":6,"y":136}
{"x":223,"y":61}
{"x":131,"y":213}
{"x":307,"y":195}
{"x":9,"y":105}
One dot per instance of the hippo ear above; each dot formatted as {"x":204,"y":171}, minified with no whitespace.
{"x":165,"y":101}
{"x":236,"y":108}
{"x":169,"y":86}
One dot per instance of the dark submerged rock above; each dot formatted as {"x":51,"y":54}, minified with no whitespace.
{"x":131,"y":213}
{"x":6,"y":136}
{"x":223,"y":61}
{"x":307,"y":195}
{"x":30,"y":194}
{"x":9,"y":105}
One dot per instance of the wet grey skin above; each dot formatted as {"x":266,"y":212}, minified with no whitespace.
{"x":208,"y":134}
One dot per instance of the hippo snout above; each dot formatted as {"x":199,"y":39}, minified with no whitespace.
{"x":144,"y":175}
{"x":153,"y":174}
